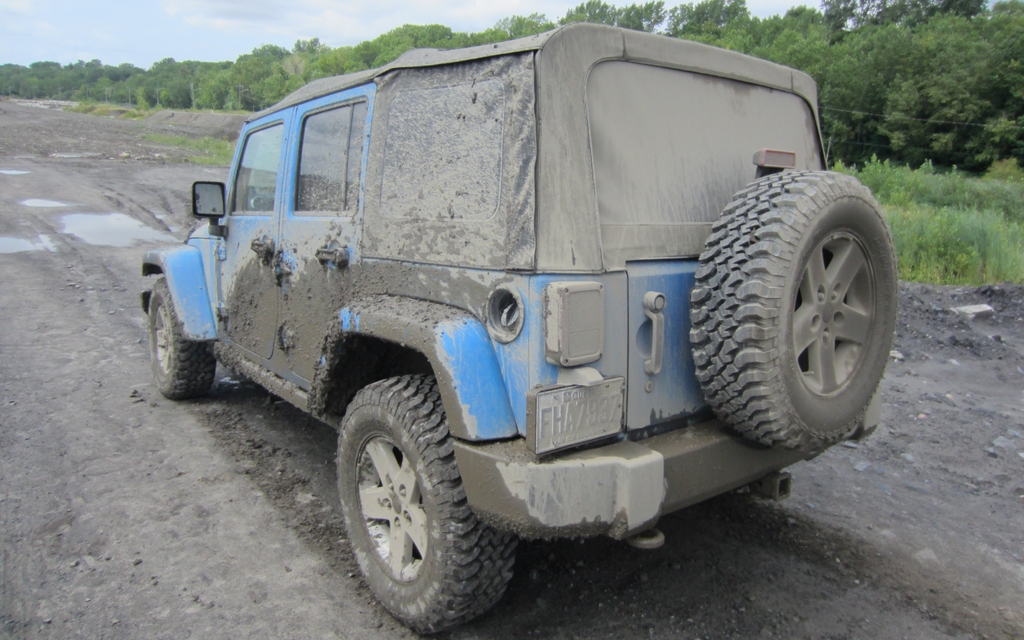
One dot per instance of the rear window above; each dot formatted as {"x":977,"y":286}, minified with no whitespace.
{"x":672,"y":147}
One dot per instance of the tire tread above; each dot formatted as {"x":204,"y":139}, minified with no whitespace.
{"x":737,"y":301}
{"x":193,"y":365}
{"x":479,"y":559}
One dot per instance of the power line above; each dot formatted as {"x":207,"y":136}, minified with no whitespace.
{"x":929,"y":121}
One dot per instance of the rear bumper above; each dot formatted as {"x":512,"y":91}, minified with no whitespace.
{"x":615,"y":490}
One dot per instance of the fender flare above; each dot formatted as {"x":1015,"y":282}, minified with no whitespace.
{"x":182,"y":268}
{"x":458,"y":349}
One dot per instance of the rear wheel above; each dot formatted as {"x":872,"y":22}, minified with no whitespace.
{"x":794,"y":309}
{"x":423,"y":552}
{"x":183,"y":368}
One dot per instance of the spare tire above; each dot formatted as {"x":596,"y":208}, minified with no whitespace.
{"x":794,"y":308}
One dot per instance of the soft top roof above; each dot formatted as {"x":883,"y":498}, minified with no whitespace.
{"x":575,"y":39}
{"x":410,"y":59}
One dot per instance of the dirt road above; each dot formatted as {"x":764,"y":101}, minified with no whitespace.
{"x":123,"y":515}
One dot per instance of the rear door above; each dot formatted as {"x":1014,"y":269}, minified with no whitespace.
{"x":670,"y":148}
{"x":667,"y":394}
{"x":248,"y":282}
{"x":321,"y":224}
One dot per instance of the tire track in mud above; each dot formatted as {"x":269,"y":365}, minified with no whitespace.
{"x":267,"y":460}
{"x":289,"y":458}
{"x":732,"y":566}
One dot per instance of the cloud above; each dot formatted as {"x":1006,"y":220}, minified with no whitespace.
{"x":226,"y":13}
{"x":350,"y":21}
{"x":16,"y":6}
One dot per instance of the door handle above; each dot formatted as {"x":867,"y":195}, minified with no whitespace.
{"x":282,"y":267}
{"x":654,"y":302}
{"x":337,"y":255}
{"x":264,"y":248}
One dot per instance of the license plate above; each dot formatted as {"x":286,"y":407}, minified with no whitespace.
{"x":560,"y":417}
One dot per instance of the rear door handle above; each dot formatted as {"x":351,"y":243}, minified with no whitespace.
{"x":337,"y":255}
{"x":654,"y":302}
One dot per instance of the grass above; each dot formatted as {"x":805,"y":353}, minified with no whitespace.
{"x":107,"y":110}
{"x":953,"y":246}
{"x":951,"y":228}
{"x":215,"y":151}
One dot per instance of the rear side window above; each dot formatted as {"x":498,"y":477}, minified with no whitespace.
{"x":442,"y":156}
{"x":256,"y":181}
{"x":330,"y":160}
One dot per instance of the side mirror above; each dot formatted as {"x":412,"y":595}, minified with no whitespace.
{"x":208,"y":200}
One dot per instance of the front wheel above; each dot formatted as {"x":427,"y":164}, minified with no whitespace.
{"x":183,"y":368}
{"x":420,"y":547}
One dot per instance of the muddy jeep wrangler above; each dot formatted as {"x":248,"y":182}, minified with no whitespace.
{"x":554,"y":287}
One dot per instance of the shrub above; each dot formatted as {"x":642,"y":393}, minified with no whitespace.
{"x":956,"y":246}
{"x":1006,"y":170}
{"x":949,"y":227}
{"x":903,"y":186}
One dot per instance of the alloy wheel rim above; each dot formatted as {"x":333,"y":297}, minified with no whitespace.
{"x":833,"y":314}
{"x":392,"y":508}
{"x":162,"y":337}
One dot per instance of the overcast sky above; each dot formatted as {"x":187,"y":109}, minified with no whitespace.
{"x":144,"y":31}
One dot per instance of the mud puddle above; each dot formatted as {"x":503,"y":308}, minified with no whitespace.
{"x":19,"y":245}
{"x":42,"y":204}
{"x":111,"y":230}
{"x":12,"y":172}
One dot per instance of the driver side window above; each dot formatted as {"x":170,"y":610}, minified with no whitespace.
{"x":256,"y":182}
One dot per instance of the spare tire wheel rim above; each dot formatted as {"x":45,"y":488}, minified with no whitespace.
{"x":833,"y":314}
{"x":392,"y":508}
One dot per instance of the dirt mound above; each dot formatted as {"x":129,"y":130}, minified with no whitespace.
{"x":216,"y":125}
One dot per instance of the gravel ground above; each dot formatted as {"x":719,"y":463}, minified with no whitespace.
{"x":123,"y":515}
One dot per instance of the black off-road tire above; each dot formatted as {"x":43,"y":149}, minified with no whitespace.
{"x":183,"y":368}
{"x":467,"y":564}
{"x":750,"y":321}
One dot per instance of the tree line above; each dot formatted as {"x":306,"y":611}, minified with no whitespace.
{"x":907,"y":80}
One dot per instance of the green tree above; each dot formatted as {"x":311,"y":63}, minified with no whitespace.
{"x":850,"y":14}
{"x":593,"y":11}
{"x":522,"y":26}
{"x":642,"y":17}
{"x":706,"y":18}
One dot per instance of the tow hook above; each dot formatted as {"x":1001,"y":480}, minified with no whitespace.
{"x":649,"y":539}
{"x":774,"y":486}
